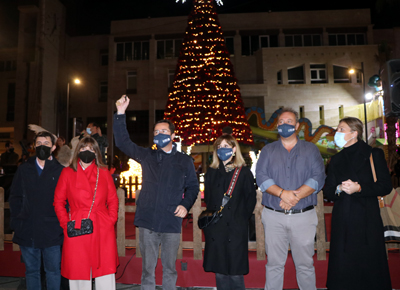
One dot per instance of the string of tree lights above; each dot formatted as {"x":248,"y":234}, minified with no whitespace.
{"x":205,"y":96}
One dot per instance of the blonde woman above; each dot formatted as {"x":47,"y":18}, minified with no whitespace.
{"x":226,"y":242}
{"x":357,"y":257}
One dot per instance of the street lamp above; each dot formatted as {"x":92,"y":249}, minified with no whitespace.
{"x":352,"y":71}
{"x":77,"y":82}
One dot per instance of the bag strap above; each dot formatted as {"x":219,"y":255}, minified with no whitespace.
{"x":380,"y":198}
{"x":94,"y":196}
{"x":233,"y":181}
{"x":228,"y":194}
{"x":372,"y":167}
{"x":95,"y":189}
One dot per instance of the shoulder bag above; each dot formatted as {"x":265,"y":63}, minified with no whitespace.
{"x":211,"y":217}
{"x":86,"y":224}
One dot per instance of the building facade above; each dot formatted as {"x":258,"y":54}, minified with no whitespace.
{"x":296,"y":59}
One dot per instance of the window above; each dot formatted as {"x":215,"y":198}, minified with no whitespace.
{"x":103,"y":91}
{"x":8,"y":65}
{"x":321,"y":115}
{"x":104,"y":59}
{"x":359,"y":77}
{"x":301,"y":112}
{"x":279,"y":77}
{"x":168,"y":48}
{"x":252,"y":43}
{"x":10,"y":102}
{"x":296,"y":75}
{"x":341,"y":74}
{"x":229,"y":43}
{"x":171,"y":75}
{"x":318,"y":73}
{"x":303,"y":40}
{"x":341,"y":112}
{"x":138,"y":50}
{"x":347,"y":39}
{"x":131,"y":87}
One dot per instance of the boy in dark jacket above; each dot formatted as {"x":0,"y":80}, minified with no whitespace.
{"x":33,"y":219}
{"x":169,"y":189}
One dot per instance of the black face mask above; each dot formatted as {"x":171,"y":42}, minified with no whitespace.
{"x":86,"y":156}
{"x":11,"y":150}
{"x":43,"y":152}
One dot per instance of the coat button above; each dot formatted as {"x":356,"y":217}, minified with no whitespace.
{"x":229,"y":240}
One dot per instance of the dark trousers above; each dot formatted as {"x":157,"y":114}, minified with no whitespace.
{"x":229,"y":282}
{"x":52,"y":262}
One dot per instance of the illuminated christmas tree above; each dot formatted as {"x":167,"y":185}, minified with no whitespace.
{"x":205,"y":96}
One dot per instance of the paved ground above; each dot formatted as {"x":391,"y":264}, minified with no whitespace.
{"x":12,"y":283}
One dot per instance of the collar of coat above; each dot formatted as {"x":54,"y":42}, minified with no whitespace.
{"x":161,"y":154}
{"x":84,"y":178}
{"x":364,"y":150}
{"x":48,"y":163}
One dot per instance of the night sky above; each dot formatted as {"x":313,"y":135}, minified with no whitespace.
{"x":87,"y":17}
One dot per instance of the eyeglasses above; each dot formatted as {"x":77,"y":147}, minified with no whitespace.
{"x":162,"y":131}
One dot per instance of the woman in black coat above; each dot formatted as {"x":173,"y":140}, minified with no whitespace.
{"x":357,"y":258}
{"x":226,"y":242}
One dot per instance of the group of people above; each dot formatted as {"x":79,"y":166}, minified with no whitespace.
{"x":290,"y":172}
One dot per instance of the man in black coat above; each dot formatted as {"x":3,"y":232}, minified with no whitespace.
{"x":36,"y":228}
{"x":9,"y":157}
{"x":169,"y":189}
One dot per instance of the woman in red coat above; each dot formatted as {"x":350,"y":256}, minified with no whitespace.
{"x":91,"y":255}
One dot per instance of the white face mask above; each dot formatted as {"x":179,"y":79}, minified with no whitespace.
{"x":339,"y":139}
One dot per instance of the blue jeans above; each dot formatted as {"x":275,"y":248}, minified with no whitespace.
{"x":52,"y":266}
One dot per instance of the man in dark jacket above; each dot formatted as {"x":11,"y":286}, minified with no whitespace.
{"x":9,"y":157}
{"x":94,"y":130}
{"x":169,"y":189}
{"x":36,"y":228}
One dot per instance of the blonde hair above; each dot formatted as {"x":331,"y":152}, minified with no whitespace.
{"x":355,"y":124}
{"x":92,"y":143}
{"x":237,"y":160}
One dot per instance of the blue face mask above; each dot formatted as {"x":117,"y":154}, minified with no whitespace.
{"x":224,"y":153}
{"x":89,"y":131}
{"x":339,"y":139}
{"x":286,"y":130}
{"x":162,"y":140}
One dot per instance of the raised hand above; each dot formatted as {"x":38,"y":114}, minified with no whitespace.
{"x":122,"y":104}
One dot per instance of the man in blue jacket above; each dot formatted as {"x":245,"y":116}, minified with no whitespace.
{"x":169,"y":189}
{"x":36,"y":228}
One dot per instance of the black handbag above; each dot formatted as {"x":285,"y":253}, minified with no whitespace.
{"x":210,"y":217}
{"x":86,"y":228}
{"x":86,"y":224}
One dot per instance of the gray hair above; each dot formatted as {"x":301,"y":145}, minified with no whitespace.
{"x":289,"y":110}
